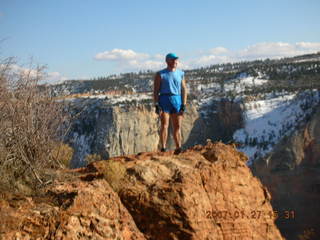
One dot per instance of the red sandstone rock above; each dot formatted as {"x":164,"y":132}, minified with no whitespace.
{"x":73,"y":210}
{"x":204,"y":193}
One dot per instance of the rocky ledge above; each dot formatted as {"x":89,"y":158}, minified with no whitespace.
{"x":206,"y":192}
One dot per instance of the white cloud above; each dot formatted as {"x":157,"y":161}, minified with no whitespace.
{"x":277,"y":50}
{"x":267,"y":50}
{"x":45,"y":77}
{"x":257,"y":51}
{"x":53,"y":78}
{"x":159,"y":57}
{"x":25,"y":71}
{"x":151,"y":64}
{"x":120,"y":54}
{"x":134,"y":65}
{"x":209,"y":60}
{"x":129,"y":60}
{"x":308,"y":45}
{"x":218,"y":50}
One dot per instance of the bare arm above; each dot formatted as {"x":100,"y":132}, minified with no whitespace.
{"x":156,"y":88}
{"x":184,"y":91}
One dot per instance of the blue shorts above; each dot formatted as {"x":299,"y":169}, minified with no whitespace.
{"x":170,"y":103}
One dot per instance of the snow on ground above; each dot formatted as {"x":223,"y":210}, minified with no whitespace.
{"x":130,"y":97}
{"x":98,"y":96}
{"x":237,"y":85}
{"x":114,"y":99}
{"x":240,"y":84}
{"x":204,"y":87}
{"x":267,"y":121}
{"x":308,"y":60}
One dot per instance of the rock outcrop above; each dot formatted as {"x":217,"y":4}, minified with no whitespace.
{"x":206,"y":192}
{"x":83,"y":207}
{"x":291,"y":173}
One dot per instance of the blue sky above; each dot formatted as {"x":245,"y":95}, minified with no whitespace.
{"x":84,"y":39}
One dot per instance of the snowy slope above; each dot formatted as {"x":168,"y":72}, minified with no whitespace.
{"x":236,"y":85}
{"x":270,"y":119}
{"x":209,"y":92}
{"x":243,"y":82}
{"x":114,"y":98}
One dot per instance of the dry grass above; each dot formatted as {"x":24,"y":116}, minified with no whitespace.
{"x":92,"y":158}
{"x":114,"y":172}
{"x":31,"y":124}
{"x":62,"y":153}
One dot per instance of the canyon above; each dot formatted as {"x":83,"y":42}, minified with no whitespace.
{"x":249,"y":169}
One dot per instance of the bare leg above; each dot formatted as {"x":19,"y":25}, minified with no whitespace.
{"x":176,"y":120}
{"x":164,"y":128}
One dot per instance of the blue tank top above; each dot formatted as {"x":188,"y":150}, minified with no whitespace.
{"x":171,"y":81}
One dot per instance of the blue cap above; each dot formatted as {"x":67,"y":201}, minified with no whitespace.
{"x":171,"y":56}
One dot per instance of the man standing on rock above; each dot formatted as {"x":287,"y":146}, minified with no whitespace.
{"x":170,"y":98}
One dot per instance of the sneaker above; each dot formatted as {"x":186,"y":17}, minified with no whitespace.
{"x":177,"y":151}
{"x":163,"y":150}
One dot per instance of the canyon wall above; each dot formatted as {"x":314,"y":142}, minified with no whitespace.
{"x":292,"y":174}
{"x":132,"y":127}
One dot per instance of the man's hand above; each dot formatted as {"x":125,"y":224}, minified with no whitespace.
{"x":183,"y":109}
{"x":158,"y":109}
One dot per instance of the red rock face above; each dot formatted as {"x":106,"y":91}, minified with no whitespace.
{"x":203,"y":193}
{"x":72,"y":210}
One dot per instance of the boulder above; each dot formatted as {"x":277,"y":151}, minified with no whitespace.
{"x":206,"y":192}
{"x":82,"y":208}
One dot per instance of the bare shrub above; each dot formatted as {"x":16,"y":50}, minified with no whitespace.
{"x":62,"y":153}
{"x":31,"y":124}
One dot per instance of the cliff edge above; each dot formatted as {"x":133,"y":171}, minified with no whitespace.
{"x":206,"y":192}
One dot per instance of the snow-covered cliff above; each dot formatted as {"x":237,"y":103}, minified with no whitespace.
{"x":272,"y":117}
